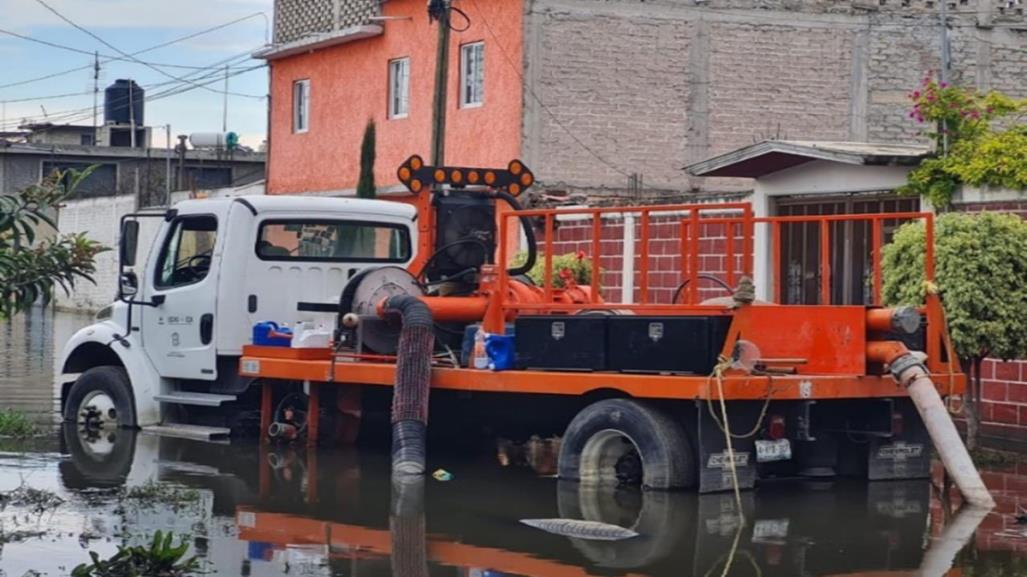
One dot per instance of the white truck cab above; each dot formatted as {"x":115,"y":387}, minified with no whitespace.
{"x":214,"y":269}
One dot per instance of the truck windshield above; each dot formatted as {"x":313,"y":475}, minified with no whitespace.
{"x":333,"y":240}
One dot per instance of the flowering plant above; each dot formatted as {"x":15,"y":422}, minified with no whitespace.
{"x":968,"y":149}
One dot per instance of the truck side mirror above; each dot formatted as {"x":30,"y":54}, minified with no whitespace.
{"x":129,"y":242}
{"x":128,"y":284}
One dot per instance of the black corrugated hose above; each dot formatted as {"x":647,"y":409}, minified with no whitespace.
{"x":413,"y":377}
{"x":529,"y":234}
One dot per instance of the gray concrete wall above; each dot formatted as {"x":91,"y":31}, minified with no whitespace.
{"x":132,"y":174}
{"x":649,"y":87}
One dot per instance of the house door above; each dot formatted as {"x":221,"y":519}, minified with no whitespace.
{"x":851,"y":246}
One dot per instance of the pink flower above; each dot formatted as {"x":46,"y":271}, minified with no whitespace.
{"x":916,"y":94}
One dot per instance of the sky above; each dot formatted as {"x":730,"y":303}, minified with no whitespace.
{"x":130,"y":26}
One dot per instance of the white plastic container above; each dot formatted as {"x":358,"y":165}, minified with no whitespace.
{"x":307,"y":336}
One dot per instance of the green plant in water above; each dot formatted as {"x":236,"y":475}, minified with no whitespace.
{"x":15,"y":424}
{"x":577,"y":264}
{"x":969,"y":150}
{"x":161,"y":559}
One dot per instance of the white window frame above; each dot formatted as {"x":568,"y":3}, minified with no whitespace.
{"x":399,"y":87}
{"x":301,"y":106}
{"x":469,"y":97}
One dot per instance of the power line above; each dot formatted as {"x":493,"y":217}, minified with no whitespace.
{"x":189,"y":36}
{"x":107,"y":57}
{"x":70,"y":116}
{"x":126,"y":54}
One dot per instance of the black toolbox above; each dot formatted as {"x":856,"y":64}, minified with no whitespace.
{"x":563,"y":342}
{"x":673,"y":344}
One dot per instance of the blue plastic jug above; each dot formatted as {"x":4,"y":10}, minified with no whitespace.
{"x":500,"y":349}
{"x":269,"y":334}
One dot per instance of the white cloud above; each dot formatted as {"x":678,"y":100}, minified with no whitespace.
{"x":24,"y":14}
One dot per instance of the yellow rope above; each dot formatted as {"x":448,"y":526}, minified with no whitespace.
{"x":718,"y":373}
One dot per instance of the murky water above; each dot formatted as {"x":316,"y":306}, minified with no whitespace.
{"x":251,"y":510}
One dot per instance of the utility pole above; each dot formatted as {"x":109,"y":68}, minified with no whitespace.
{"x":224,"y":106}
{"x":946,"y":62}
{"x":439,"y":10}
{"x":96,"y":90}
{"x":167,"y":164}
{"x":132,"y":114}
{"x":181,"y":160}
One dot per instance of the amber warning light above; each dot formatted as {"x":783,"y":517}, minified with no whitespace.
{"x":417,"y":176}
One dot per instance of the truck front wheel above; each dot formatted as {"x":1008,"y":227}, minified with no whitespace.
{"x":101,"y":398}
{"x":623,"y":441}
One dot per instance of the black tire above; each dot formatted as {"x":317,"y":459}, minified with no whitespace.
{"x":603,"y":433}
{"x":112,"y":381}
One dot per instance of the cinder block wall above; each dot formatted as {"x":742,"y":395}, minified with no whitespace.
{"x":623,"y":86}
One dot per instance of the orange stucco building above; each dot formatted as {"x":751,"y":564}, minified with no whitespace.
{"x":347,"y":77}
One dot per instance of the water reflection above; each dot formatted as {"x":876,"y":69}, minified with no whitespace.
{"x":276,"y":510}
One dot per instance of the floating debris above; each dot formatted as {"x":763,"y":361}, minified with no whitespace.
{"x":39,"y":500}
{"x":578,"y":529}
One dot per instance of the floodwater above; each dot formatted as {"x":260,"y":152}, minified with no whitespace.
{"x":265,"y":511}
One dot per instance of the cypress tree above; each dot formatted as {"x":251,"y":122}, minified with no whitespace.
{"x":365,"y":186}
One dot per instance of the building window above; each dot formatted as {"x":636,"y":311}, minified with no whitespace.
{"x":399,"y":87}
{"x":472,"y":74}
{"x":300,"y":106}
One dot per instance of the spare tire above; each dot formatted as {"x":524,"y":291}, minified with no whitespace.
{"x":607,"y":441}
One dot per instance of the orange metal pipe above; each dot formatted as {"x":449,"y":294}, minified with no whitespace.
{"x":885,"y":351}
{"x":451,"y":309}
{"x":880,"y":319}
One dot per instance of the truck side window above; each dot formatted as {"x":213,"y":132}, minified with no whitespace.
{"x":187,"y":252}
{"x":333,"y":240}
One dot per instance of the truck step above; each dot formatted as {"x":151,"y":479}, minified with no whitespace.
{"x":193,"y":398}
{"x":185,"y":431}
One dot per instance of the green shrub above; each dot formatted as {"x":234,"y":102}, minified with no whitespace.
{"x":15,"y":424}
{"x":981,"y":274}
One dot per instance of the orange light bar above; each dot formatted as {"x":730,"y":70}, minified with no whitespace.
{"x":515,"y":179}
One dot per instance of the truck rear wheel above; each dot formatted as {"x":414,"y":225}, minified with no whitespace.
{"x":627,"y":442}
{"x":101,"y":398}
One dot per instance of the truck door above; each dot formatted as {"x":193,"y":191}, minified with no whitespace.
{"x":178,"y":334}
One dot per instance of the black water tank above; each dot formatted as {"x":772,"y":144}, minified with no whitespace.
{"x":123,"y":103}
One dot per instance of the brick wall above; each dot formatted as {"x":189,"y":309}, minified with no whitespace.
{"x":666,"y":269}
{"x":631,"y":87}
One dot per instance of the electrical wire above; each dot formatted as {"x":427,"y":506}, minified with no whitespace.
{"x":171,"y":42}
{"x":106,"y":57}
{"x":133,"y":58}
{"x":70,"y":116}
{"x":76,"y":114}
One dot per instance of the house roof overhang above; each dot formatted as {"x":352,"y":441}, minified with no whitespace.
{"x":318,"y":41}
{"x":770,"y":156}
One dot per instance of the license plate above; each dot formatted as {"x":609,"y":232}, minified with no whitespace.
{"x":768,"y":451}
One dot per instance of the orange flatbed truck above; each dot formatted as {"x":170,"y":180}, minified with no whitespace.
{"x":635,"y":388}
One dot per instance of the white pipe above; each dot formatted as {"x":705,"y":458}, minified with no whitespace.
{"x":627,"y":289}
{"x":941,"y":553}
{"x":911,"y":373}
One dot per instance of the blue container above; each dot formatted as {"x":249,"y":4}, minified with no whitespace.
{"x":500,"y":349}
{"x":269,"y":334}
{"x":467,"y":346}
